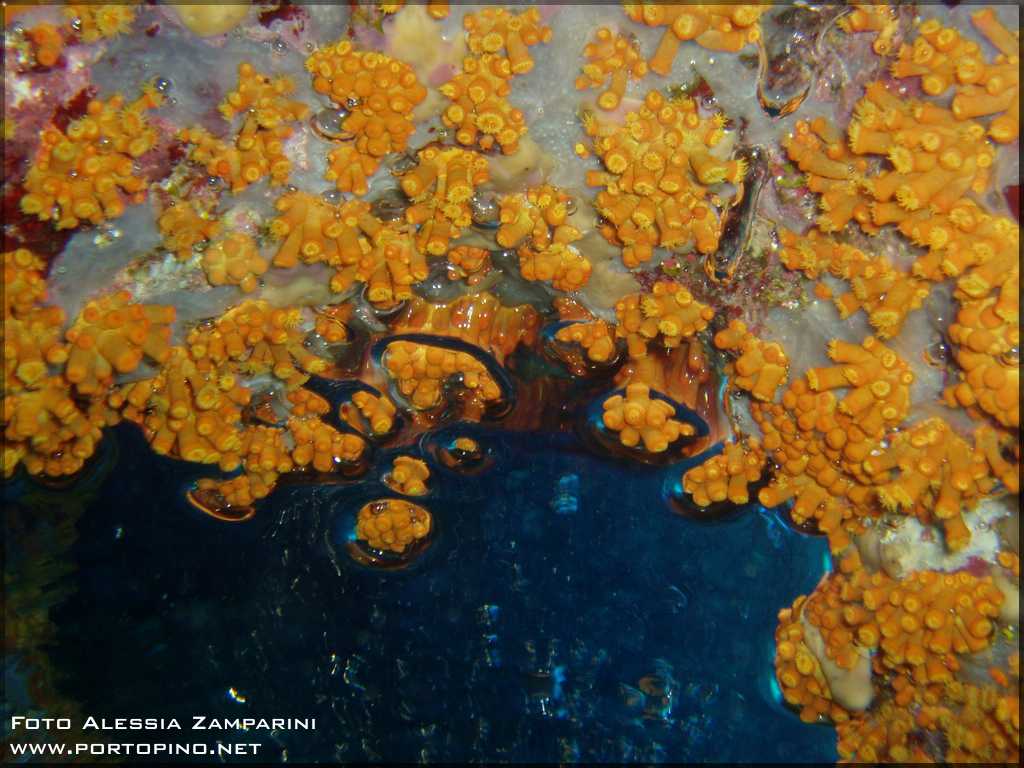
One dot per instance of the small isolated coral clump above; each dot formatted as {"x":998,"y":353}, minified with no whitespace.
{"x":494,"y":30}
{"x":761,"y":368}
{"x":408,"y":476}
{"x":884,"y":292}
{"x":636,"y":417}
{"x":184,"y":226}
{"x":943,"y":58}
{"x":669,"y":314}
{"x":234,"y":260}
{"x":85,"y":172}
{"x":93,"y":22}
{"x":480,"y":112}
{"x":422,"y":371}
{"x":257,"y":150}
{"x":440,"y":187}
{"x":380,"y":94}
{"x":611,"y":55}
{"x":111,"y":336}
{"x":596,"y":337}
{"x":392,"y":525}
{"x":241,"y":492}
{"x":717,"y":27}
{"x":727,"y":476}
{"x":658,"y":168}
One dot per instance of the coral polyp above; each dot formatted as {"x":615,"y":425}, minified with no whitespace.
{"x":393,"y":525}
{"x":408,"y":476}
{"x":636,"y":417}
{"x":421,"y":373}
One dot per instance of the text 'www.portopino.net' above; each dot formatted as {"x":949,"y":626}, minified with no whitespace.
{"x":139,"y":749}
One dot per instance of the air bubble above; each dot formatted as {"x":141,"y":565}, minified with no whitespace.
{"x":485,"y":210}
{"x":328,"y":123}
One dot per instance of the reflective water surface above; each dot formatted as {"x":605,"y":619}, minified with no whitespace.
{"x":562,"y":612}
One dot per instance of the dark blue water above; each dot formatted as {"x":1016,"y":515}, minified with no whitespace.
{"x":562,"y":613}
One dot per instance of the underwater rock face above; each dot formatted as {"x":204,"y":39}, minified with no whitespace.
{"x":416,"y":270}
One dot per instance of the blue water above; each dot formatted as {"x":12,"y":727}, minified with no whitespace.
{"x":563,"y":612}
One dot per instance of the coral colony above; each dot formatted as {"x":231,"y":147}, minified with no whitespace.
{"x":437,"y":243}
